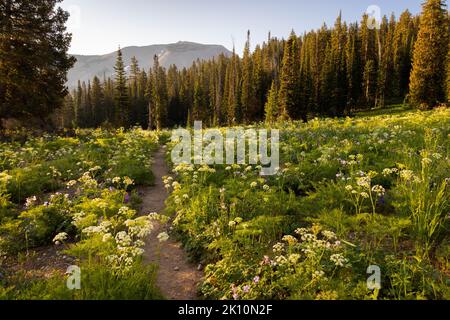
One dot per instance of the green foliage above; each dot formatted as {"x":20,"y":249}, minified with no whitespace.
{"x":379,"y":183}
{"x":428,"y":74}
{"x":93,"y":220}
{"x":121,"y":98}
{"x":6,"y":207}
{"x":98,"y":282}
{"x":28,"y":67}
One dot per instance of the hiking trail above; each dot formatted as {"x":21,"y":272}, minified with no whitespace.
{"x":177,"y":278}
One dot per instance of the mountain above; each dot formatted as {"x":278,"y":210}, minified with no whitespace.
{"x":181,"y":54}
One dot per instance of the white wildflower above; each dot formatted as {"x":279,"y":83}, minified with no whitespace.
{"x":339,"y":260}
{"x":61,"y":237}
{"x":379,"y":190}
{"x":163,"y":237}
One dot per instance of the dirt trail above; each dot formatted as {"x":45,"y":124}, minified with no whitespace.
{"x":177,"y":279}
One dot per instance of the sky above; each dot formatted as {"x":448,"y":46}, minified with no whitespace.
{"x":100,"y":26}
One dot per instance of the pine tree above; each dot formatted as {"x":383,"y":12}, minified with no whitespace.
{"x":403,"y":47}
{"x":339,"y":82}
{"x":109,"y":100}
{"x":289,"y":95}
{"x":388,"y":61}
{"x":159,"y":96}
{"x":353,"y":57}
{"x":369,"y":59}
{"x":428,"y":76}
{"x":98,"y":112}
{"x":121,"y":98}
{"x":199,"y":101}
{"x":261,"y":82}
{"x":248,"y":98}
{"x":88,"y":107}
{"x":78,"y":105}
{"x":134,"y":77}
{"x":448,"y":77}
{"x":272,"y":106}
{"x":370,"y":83}
{"x":232,"y":90}
{"x":65,"y":116}
{"x":176,"y":111}
{"x":133,"y":88}
{"x":33,"y":57}
{"x":321,"y":67}
{"x":326,"y":82}
{"x":141,"y":100}
{"x":220,"y":90}
{"x":306,"y":81}
{"x":383,"y":45}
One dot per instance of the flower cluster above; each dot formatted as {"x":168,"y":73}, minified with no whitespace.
{"x":60,"y":238}
{"x":314,"y":254}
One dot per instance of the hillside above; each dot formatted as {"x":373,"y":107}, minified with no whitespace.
{"x":181,"y":54}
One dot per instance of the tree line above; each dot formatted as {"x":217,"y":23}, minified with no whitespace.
{"x":331,"y":71}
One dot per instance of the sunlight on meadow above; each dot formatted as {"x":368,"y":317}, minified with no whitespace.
{"x":351,"y":193}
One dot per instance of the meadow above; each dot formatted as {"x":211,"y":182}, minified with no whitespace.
{"x":352,"y":194}
{"x":79,"y":194}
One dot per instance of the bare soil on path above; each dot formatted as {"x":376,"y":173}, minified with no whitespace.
{"x":177,"y":278}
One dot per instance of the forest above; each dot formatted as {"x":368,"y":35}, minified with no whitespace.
{"x":327,"y":72}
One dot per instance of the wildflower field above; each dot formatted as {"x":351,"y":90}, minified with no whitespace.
{"x":77,"y":193}
{"x":351,"y":196}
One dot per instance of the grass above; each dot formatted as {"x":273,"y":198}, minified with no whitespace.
{"x":352,"y":193}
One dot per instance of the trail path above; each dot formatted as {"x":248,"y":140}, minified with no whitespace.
{"x":177,"y":278}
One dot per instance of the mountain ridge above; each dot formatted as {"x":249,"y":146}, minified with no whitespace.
{"x":182,"y":54}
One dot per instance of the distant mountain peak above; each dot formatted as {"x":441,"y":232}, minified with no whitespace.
{"x":182,"y":54}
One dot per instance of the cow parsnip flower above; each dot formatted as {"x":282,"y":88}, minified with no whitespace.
{"x":163,"y":237}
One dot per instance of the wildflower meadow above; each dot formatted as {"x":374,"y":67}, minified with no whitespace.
{"x":352,"y":198}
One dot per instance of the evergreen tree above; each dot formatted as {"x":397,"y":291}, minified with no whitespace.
{"x":448,"y":77}
{"x":78,"y":105}
{"x":369,"y":59}
{"x":261,"y":82}
{"x":428,"y":76}
{"x":326,"y":82}
{"x":370,"y":83}
{"x":199,"y":101}
{"x":109,"y":100}
{"x":121,"y":98}
{"x":137,"y":84}
{"x":339,"y":72}
{"x":233,"y":91}
{"x":248,"y":98}
{"x":289,"y":95}
{"x":403,"y":47}
{"x":176,"y":111}
{"x":353,"y":57}
{"x":134,"y":78}
{"x":272,"y":106}
{"x":98,"y":112}
{"x":65,"y":116}
{"x":33,"y":57}
{"x":159,"y":96}
{"x":220,"y":90}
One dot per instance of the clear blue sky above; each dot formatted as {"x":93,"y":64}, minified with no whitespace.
{"x":100,"y":26}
